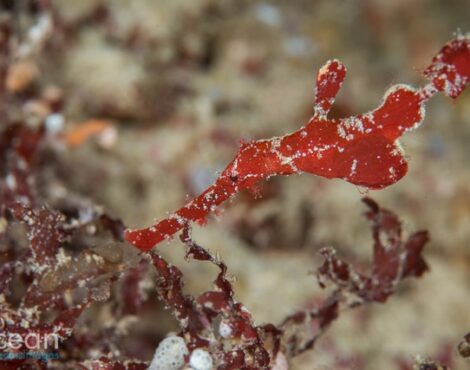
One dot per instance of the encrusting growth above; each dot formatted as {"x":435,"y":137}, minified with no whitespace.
{"x":363,"y":149}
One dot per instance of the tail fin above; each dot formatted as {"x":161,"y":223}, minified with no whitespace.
{"x":449,"y":71}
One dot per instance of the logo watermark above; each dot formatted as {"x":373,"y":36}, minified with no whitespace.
{"x":30,"y":345}
{"x":43,"y":356}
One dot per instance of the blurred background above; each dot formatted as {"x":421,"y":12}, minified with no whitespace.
{"x":181,"y":83}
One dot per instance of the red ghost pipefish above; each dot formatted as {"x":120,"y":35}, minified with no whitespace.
{"x":363,"y":149}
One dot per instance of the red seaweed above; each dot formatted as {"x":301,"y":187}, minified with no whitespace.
{"x":214,"y":320}
{"x":394,"y":259}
